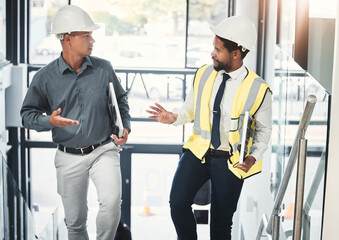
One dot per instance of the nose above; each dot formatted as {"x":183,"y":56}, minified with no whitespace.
{"x":92,"y":40}
{"x":213,"y":53}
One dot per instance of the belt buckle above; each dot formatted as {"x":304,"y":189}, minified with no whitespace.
{"x":82,"y":149}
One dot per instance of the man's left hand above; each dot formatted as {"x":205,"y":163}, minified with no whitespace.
{"x":247,"y":164}
{"x":123,"y":139}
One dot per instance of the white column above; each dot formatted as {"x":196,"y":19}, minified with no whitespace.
{"x":331,"y":211}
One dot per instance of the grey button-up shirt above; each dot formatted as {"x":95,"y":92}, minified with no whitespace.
{"x":82,"y":96}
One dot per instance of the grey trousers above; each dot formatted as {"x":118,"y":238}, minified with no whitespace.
{"x":102,"y":166}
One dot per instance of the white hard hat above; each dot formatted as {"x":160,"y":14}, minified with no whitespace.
{"x":71,"y":18}
{"x":238,"y":29}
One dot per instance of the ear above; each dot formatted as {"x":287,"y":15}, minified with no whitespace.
{"x":236,"y":54}
{"x":67,"y":40}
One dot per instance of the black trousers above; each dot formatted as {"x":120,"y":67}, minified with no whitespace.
{"x":190,"y":175}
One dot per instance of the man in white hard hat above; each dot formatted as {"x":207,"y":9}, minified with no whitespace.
{"x":221,"y":95}
{"x":70,"y":97}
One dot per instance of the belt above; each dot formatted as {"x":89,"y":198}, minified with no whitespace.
{"x":83,"y":150}
{"x":218,"y":153}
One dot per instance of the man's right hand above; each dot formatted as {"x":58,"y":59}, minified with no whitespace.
{"x":161,"y":115}
{"x":58,"y":121}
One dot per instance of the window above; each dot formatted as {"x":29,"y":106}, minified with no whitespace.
{"x":2,"y":30}
{"x":135,"y":33}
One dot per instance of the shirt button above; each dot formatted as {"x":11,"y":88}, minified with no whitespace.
{"x":82,"y":105}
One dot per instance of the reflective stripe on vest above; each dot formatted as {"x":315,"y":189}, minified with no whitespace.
{"x":200,"y":141}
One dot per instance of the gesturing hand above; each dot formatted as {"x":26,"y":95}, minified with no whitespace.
{"x":58,"y":121}
{"x":161,"y":115}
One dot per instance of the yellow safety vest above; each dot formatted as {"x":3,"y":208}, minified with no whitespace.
{"x":249,"y":97}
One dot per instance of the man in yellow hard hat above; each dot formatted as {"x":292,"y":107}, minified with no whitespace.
{"x":222,"y":94}
{"x":70,"y":97}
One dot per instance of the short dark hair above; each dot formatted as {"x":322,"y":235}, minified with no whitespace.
{"x":232,"y":46}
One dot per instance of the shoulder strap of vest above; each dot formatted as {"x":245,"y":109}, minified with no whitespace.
{"x":249,"y":95}
{"x":206,"y":69}
{"x":262,"y":88}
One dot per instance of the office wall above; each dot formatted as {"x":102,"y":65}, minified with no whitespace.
{"x":5,"y":73}
{"x":331,"y":212}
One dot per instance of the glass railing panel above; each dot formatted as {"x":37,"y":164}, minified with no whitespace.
{"x":30,"y":223}
{"x":55,"y":227}
{"x":292,"y":87}
{"x":43,"y":186}
{"x":2,"y":210}
{"x":281,"y":99}
{"x":315,"y":165}
{"x":16,"y":218}
{"x":47,"y":232}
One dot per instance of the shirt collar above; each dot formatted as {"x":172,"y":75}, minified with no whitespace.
{"x":235,"y":74}
{"x":63,"y":65}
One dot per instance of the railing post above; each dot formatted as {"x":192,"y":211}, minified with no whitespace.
{"x":126,"y":174}
{"x":299,"y":197}
{"x":276,"y":227}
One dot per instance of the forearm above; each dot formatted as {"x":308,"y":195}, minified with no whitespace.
{"x":36,"y":121}
{"x":182,"y":117}
{"x":124,"y":111}
{"x":263,"y":128}
{"x":258,"y":149}
{"x":34,"y":111}
{"x":185,"y":114}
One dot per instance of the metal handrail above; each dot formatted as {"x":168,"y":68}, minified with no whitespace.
{"x":300,"y":187}
{"x":305,"y":119}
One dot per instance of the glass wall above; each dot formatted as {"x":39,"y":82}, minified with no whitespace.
{"x":200,"y":37}
{"x":43,"y":47}
{"x":292,"y":86}
{"x":286,"y":25}
{"x":135,"y":33}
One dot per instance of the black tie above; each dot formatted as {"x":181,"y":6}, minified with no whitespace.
{"x":215,"y":138}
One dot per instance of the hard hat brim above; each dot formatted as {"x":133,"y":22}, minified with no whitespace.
{"x":91,"y":28}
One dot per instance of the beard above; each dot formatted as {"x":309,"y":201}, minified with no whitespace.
{"x":227,"y":66}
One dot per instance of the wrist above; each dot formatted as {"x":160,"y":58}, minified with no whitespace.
{"x":126,"y":131}
{"x":174,"y":117}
